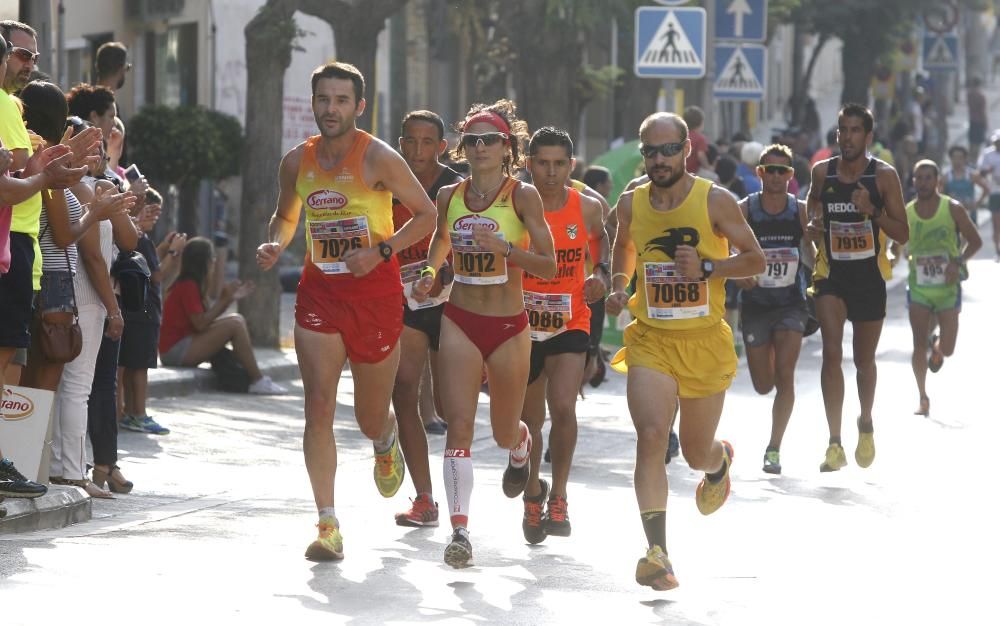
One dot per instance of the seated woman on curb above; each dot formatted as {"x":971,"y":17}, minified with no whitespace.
{"x":193,"y":332}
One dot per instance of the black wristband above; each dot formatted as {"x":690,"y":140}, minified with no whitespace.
{"x":385,"y":250}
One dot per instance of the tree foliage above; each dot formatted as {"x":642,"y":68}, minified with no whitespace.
{"x":178,"y":144}
{"x":869,"y":30}
{"x":539,"y":46}
{"x":356,"y":25}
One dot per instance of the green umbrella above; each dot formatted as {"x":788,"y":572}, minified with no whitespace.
{"x":625,"y":163}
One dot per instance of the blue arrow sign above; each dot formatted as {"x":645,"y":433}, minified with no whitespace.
{"x":940,"y":52}
{"x":670,"y":42}
{"x":740,"y":72}
{"x":744,"y":20}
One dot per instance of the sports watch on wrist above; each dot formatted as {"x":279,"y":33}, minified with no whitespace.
{"x":385,"y":250}
{"x":707,"y":267}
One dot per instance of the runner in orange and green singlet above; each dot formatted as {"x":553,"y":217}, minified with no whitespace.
{"x":559,"y":318}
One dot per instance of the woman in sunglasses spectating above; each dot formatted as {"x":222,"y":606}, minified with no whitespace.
{"x":495,"y":228}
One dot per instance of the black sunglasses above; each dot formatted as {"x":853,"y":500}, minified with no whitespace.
{"x":776,"y":169}
{"x":24,"y":54}
{"x":471,"y":140}
{"x":666,"y":149}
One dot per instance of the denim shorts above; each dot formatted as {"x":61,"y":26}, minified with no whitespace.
{"x":175,"y":355}
{"x":56,"y":295}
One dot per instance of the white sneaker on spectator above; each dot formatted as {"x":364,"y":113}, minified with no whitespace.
{"x":266,"y":387}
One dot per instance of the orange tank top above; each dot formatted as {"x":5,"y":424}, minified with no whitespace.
{"x":557,"y":305}
{"x":342,"y":214}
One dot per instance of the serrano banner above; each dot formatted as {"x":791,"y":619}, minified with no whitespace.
{"x":24,"y":420}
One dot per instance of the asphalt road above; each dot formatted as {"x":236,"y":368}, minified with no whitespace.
{"x":222,"y":512}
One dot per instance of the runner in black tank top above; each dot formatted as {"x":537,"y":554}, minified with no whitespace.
{"x":853,"y":251}
{"x":855,"y":204}
{"x":773,"y":304}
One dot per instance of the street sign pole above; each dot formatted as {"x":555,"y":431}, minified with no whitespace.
{"x":711,"y":113}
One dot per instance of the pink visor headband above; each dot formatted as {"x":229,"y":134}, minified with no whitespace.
{"x":490,"y":118}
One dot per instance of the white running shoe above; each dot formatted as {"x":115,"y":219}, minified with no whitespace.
{"x":266,"y":387}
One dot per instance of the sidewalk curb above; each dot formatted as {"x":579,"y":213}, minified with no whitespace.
{"x":181,"y":381}
{"x":58,"y":508}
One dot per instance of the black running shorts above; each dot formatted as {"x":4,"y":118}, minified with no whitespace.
{"x":571,"y":341}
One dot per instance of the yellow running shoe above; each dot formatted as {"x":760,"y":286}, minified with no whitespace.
{"x":864,"y":454}
{"x":329,"y":546}
{"x":711,"y":496}
{"x":654,"y":570}
{"x":835,"y":458}
{"x":389,"y":469}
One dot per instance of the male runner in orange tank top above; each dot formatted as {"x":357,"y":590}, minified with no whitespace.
{"x":348,"y":301}
{"x":560,"y":326}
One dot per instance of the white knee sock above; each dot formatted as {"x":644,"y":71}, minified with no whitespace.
{"x":458,"y":477}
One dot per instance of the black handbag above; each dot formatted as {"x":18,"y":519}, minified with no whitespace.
{"x":229,"y":372}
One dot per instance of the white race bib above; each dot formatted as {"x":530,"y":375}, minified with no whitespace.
{"x":548,"y":313}
{"x":852,"y":241}
{"x":930,"y":269}
{"x":475,"y":265}
{"x":332,"y":239}
{"x":782,"y":267}
{"x":670,"y":296}
{"x":410,"y":274}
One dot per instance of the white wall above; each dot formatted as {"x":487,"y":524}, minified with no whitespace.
{"x":232,"y":17}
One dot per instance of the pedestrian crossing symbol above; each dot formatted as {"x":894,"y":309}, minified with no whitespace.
{"x":941,"y":52}
{"x":670,"y":42}
{"x":740,"y":71}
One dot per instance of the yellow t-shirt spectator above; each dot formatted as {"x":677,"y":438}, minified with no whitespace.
{"x":26,"y":214}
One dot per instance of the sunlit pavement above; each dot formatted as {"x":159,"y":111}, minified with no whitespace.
{"x":222,"y":512}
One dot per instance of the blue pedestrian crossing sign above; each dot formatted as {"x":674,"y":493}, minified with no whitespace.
{"x":743,"y":20}
{"x":670,"y":42}
{"x":740,"y":72}
{"x":940,"y":52}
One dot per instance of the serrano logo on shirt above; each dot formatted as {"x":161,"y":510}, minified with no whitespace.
{"x":571,"y":230}
{"x":326,"y":199}
{"x":468,"y":222}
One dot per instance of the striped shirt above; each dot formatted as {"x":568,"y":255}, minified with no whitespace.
{"x":54,"y":257}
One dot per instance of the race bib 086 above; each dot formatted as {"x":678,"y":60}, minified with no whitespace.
{"x":548,"y":313}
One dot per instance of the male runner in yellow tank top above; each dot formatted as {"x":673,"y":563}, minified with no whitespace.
{"x":680,"y":229}
{"x":348,"y":301}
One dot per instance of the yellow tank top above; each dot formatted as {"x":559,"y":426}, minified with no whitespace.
{"x":474,"y":265}
{"x":663,"y":298}
{"x":342,"y":212}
